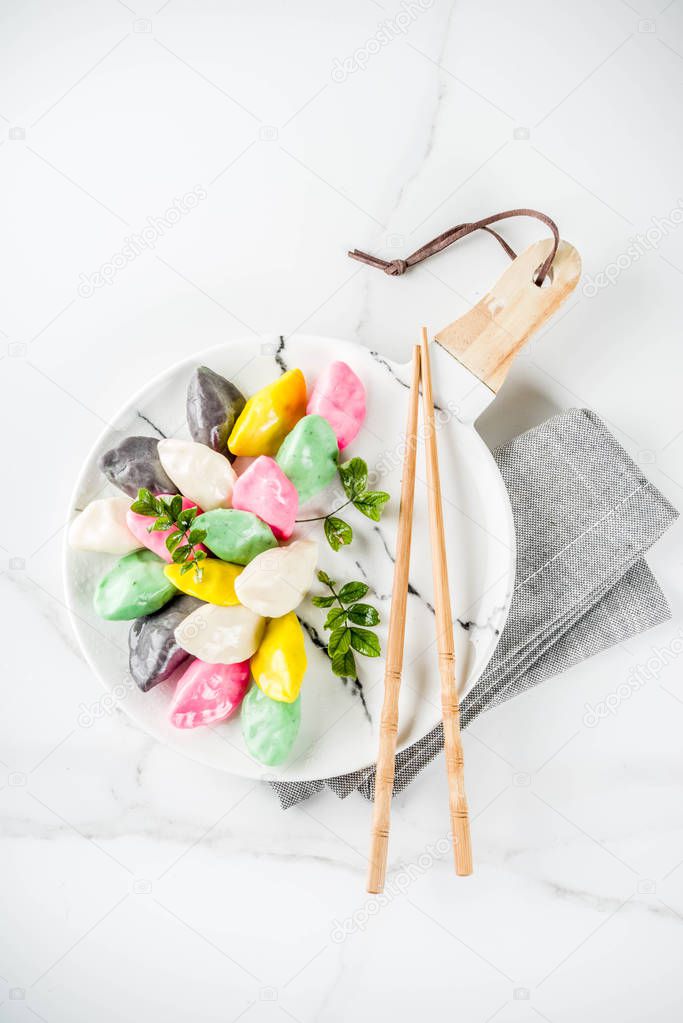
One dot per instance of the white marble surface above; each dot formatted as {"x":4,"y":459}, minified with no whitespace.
{"x":137,"y":885}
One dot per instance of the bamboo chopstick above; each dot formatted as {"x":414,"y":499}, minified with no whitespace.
{"x":455,"y":762}
{"x":384,"y":778}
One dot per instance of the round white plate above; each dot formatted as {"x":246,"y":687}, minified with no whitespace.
{"x":339,"y":729}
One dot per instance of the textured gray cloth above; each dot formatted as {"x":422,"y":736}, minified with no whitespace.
{"x":584,"y":516}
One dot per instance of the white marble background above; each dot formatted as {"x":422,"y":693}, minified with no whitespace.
{"x":137,"y":885}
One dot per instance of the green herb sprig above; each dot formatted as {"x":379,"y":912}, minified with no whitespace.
{"x":354,"y":479}
{"x":169,"y":514}
{"x":344,"y":621}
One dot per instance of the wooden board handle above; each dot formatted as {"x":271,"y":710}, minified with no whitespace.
{"x":487,"y":338}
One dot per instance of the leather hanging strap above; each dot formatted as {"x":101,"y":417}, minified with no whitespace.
{"x":397,"y":267}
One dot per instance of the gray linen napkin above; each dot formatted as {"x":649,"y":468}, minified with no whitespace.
{"x":584,"y":516}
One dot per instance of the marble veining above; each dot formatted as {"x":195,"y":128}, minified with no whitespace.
{"x":392,"y":372}
{"x":146,"y":419}
{"x":279,"y":354}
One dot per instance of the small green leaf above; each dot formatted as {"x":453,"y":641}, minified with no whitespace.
{"x":371,"y":504}
{"x":176,"y":506}
{"x":181,"y":553}
{"x":142,"y":508}
{"x":344,"y":665}
{"x":340,"y":640}
{"x":146,"y":503}
{"x":337,"y":532}
{"x":343,"y":636}
{"x":172,"y":540}
{"x":352,"y":592}
{"x":186,"y":567}
{"x":365,"y":642}
{"x":335,"y":618}
{"x":364,"y":614}
{"x":197,"y":535}
{"x":354,"y":477}
{"x":187,"y":517}
{"x":162,"y":523}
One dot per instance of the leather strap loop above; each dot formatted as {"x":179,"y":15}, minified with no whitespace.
{"x":397,"y":267}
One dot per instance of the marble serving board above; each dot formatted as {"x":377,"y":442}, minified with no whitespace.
{"x":339,"y":727}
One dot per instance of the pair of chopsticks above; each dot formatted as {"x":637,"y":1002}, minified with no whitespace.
{"x":384,"y":781}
